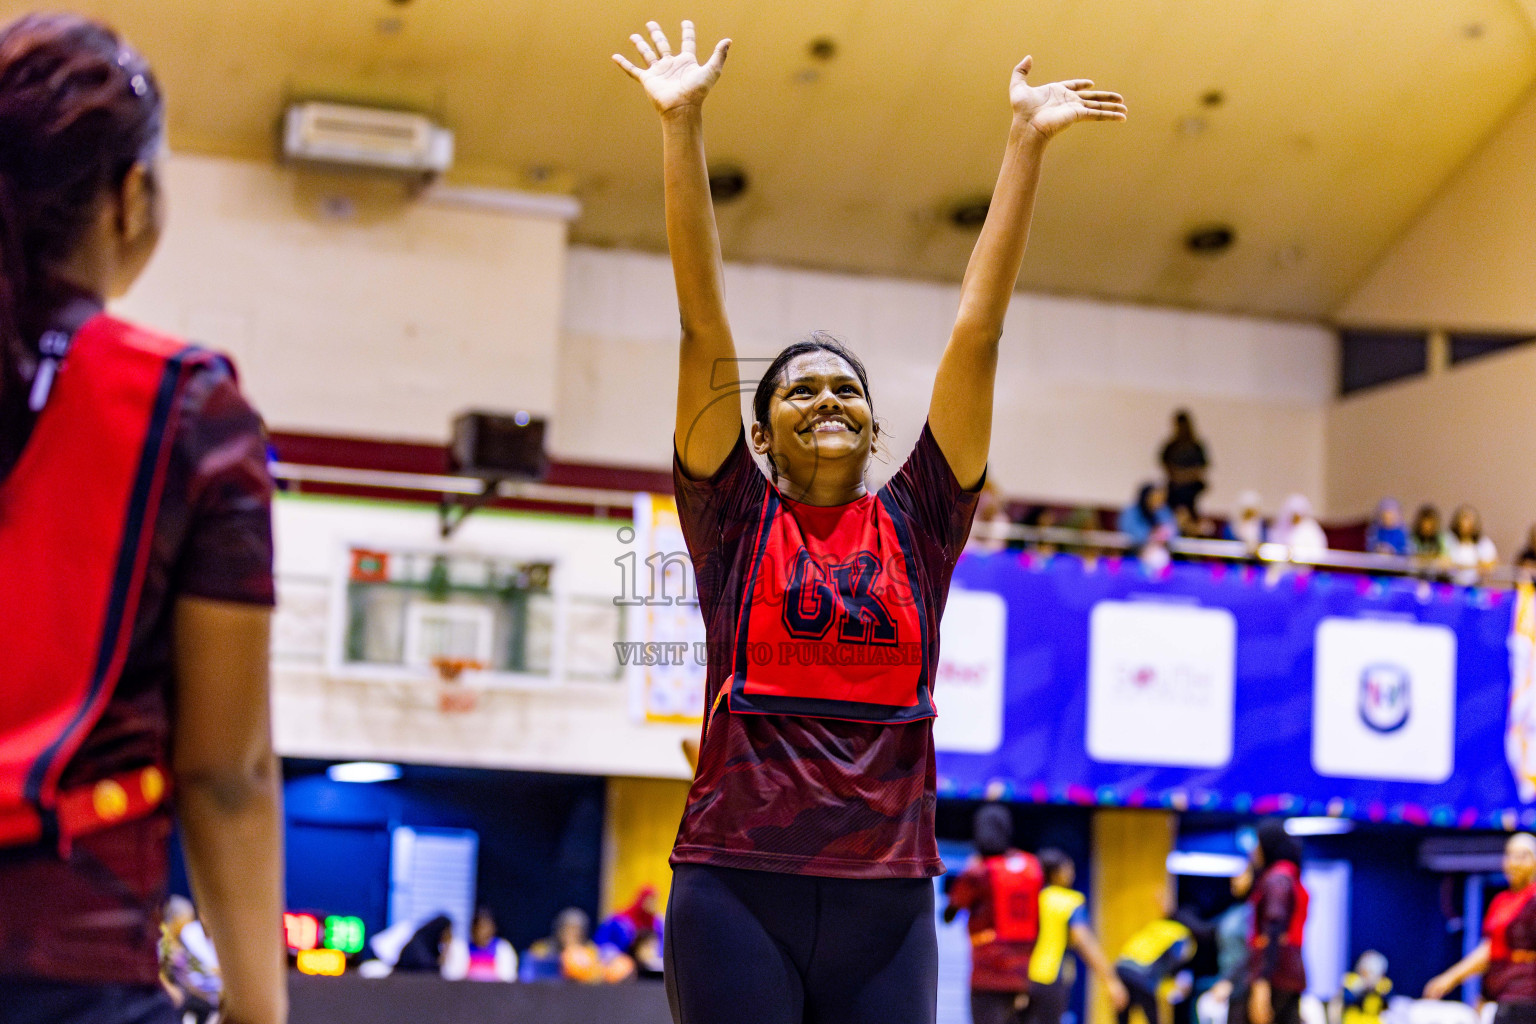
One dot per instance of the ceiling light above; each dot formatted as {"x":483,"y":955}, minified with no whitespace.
{"x":1210,"y":241}
{"x":1318,"y":826}
{"x":1206,"y":865}
{"x":363,"y":771}
{"x":1191,"y":126}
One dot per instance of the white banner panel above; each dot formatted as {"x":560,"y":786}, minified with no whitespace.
{"x":1384,"y":700}
{"x":1160,"y":684}
{"x":969,"y":690}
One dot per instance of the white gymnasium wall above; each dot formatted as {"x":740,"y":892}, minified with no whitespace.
{"x":558,"y":725}
{"x":351,"y":309}
{"x":1084,"y":393}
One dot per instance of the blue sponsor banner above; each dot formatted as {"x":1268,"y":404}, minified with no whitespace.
{"x":1228,"y":687}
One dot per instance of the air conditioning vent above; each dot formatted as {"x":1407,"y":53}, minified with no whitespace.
{"x":391,"y":140}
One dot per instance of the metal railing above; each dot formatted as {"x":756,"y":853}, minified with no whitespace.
{"x":1063,"y":538}
{"x":1278,"y":555}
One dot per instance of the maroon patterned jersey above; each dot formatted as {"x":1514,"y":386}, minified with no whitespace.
{"x":817,"y":751}
{"x":213,"y":539}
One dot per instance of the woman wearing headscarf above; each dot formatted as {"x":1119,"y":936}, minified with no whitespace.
{"x":1387,"y":534}
{"x":1297,"y":530}
{"x":1506,"y":958}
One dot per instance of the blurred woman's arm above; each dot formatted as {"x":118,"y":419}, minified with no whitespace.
{"x":227,"y":799}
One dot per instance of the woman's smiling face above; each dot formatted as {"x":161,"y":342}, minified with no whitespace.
{"x":819,"y":417}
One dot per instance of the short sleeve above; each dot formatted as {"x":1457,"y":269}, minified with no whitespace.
{"x":717,"y":512}
{"x":1079,"y":917}
{"x":227,"y":551}
{"x":926,"y":487}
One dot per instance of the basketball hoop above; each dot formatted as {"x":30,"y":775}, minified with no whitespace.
{"x":453,"y":696}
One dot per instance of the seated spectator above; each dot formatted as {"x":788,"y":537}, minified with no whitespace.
{"x":1297,"y":530}
{"x":646,"y":954}
{"x":1387,"y":535}
{"x":991,"y":513}
{"x":189,"y":968}
{"x":1468,"y":551}
{"x":620,"y":932}
{"x":1425,"y":540}
{"x":1525,"y":561}
{"x":576,"y":955}
{"x":485,"y":957}
{"x":426,"y":948}
{"x":1084,"y":520}
{"x":1148,"y":518}
{"x":1041,"y":517}
{"x":1247,"y":525}
{"x":1184,"y":461}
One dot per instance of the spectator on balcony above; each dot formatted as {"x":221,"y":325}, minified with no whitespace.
{"x":1297,"y":530}
{"x":1184,"y":461}
{"x":991,"y":514}
{"x":1387,"y":535}
{"x":1148,"y":518}
{"x":1427,"y":544}
{"x":1468,"y":550}
{"x":1247,"y":525}
{"x":1042,"y":517}
{"x":1525,"y":561}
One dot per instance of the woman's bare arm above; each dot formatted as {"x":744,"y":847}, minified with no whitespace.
{"x":708,"y":409}
{"x":960,"y":413}
{"x":227,"y":798}
{"x":1475,"y":962}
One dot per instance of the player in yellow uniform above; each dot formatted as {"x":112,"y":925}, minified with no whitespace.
{"x":1063,"y":926}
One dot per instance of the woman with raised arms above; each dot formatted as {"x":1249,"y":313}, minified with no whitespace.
{"x":802,"y":885}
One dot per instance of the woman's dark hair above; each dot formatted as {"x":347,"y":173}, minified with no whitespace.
{"x":1276,"y":843}
{"x":816,"y":341}
{"x":992,"y":830}
{"x":78,"y":108}
{"x":1144,"y":501}
{"x":1052,"y":861}
{"x":1426,"y":514}
{"x":1477,"y":523}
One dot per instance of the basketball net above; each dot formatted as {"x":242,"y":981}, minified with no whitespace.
{"x":453,"y":697}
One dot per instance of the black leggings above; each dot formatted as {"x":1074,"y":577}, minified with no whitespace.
{"x":1140,"y":996}
{"x":759,"y":947}
{"x":55,"y":1002}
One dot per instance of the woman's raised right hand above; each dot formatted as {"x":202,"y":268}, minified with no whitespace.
{"x":674,"y":81}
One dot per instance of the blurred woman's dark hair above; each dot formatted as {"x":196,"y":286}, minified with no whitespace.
{"x":1467,"y":512}
{"x":78,"y":109}
{"x":1052,"y":861}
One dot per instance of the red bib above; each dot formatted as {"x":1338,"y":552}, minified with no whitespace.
{"x":833,"y":625}
{"x":1016,"y":880}
{"x":1506,"y":906}
{"x":1296,"y":929}
{"x":77,"y":515}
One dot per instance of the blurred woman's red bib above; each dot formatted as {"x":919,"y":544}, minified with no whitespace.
{"x":833,"y":627}
{"x":76,"y":517}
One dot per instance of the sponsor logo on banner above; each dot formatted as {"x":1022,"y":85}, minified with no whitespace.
{"x":969,"y":688}
{"x":1384,"y":700}
{"x":1386,"y":697}
{"x":1160,"y":684}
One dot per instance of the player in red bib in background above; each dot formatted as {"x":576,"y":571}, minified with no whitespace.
{"x":999,"y":890}
{"x":135,"y":549}
{"x":1506,"y":958}
{"x":1275,"y":978}
{"x":801,"y":889}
